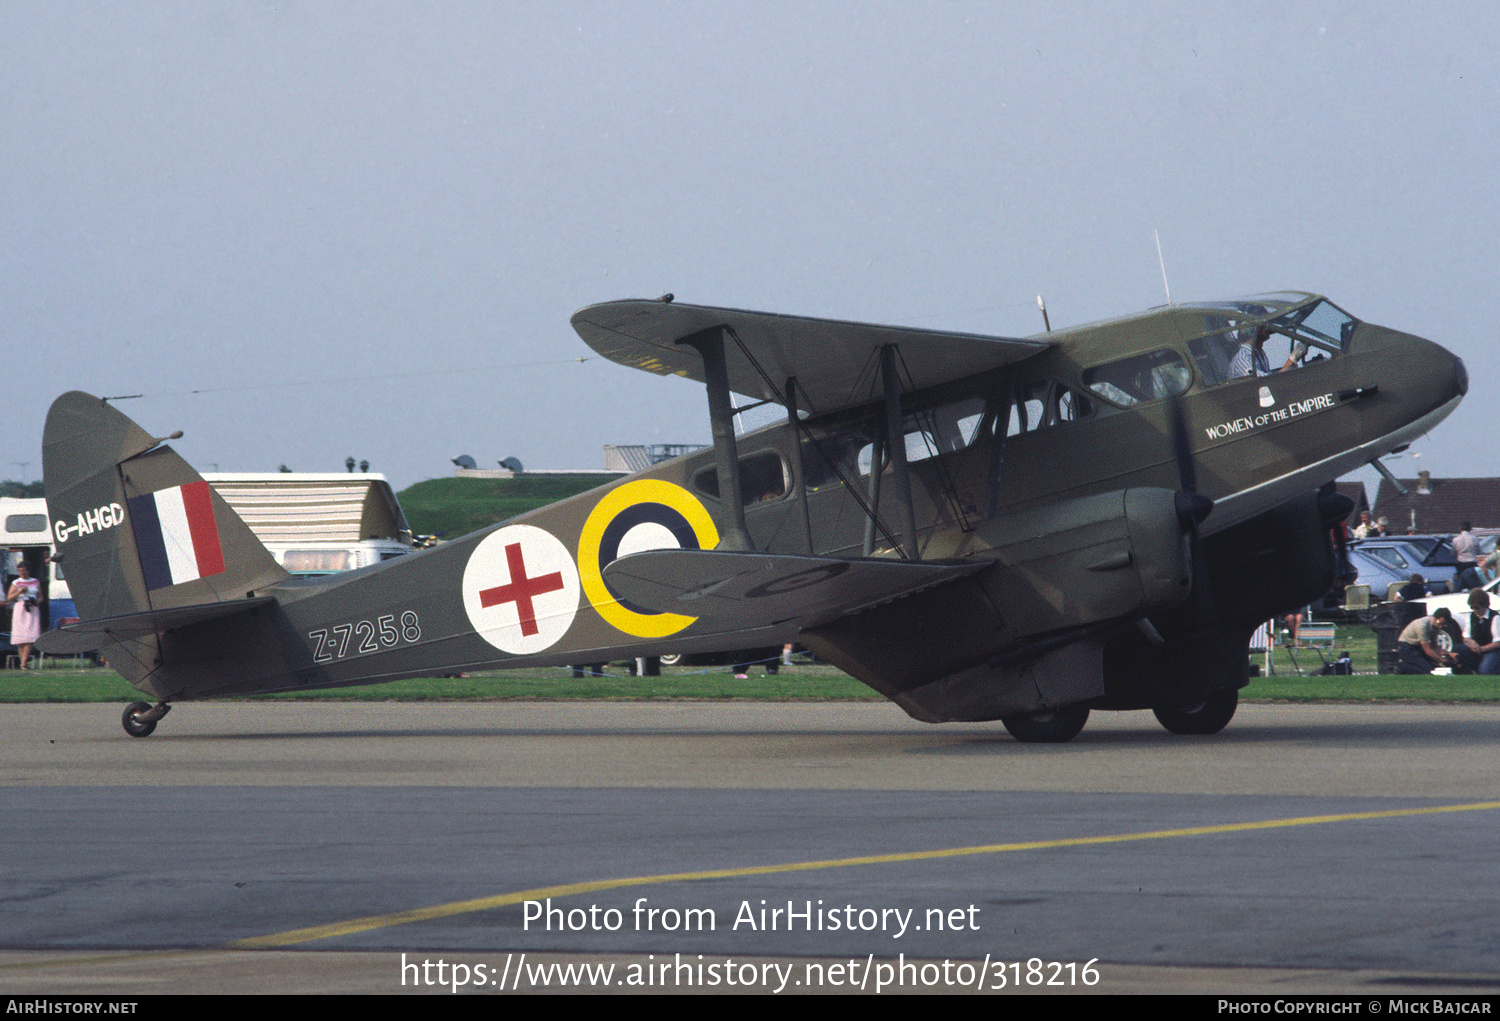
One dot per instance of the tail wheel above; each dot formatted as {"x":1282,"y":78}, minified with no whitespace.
{"x":1207,"y":717}
{"x":133,"y":726}
{"x":1051,"y":726}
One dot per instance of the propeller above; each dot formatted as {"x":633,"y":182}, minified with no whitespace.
{"x":1192,"y":508}
{"x":1335,"y":509}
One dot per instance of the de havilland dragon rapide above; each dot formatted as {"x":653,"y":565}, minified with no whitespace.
{"x":979,"y":528}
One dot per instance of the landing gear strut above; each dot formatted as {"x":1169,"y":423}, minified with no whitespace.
{"x":1207,"y":717}
{"x":139,"y":718}
{"x":1049,"y":725}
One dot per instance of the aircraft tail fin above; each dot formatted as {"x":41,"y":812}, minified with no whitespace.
{"x":134,"y":527}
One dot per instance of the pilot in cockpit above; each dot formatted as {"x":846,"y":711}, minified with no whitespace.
{"x":1250,"y":359}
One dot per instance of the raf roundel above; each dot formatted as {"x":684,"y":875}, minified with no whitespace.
{"x":520,"y":589}
{"x":647,"y":514}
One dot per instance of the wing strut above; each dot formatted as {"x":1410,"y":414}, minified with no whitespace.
{"x":799,"y":471}
{"x":873,"y":523}
{"x":1002,"y":433}
{"x":710,"y":344}
{"x":877,"y":470}
{"x":895,"y":440}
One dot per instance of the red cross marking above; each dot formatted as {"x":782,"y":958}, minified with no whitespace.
{"x":521,"y":589}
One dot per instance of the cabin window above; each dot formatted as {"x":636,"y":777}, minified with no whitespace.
{"x":833,"y":457}
{"x":953,"y":426}
{"x":846,"y":454}
{"x":763,"y":477}
{"x":1046,"y":403}
{"x":1149,"y":377}
{"x":920,"y":445}
{"x":1214,"y":353}
{"x":940,"y":430}
{"x":26,"y":522}
{"x":1027,"y":413}
{"x":1071,"y":405}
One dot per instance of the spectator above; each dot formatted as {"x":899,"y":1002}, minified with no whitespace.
{"x":1481,"y":648}
{"x":1414,"y":589}
{"x":1418,"y":644}
{"x":1466,"y":553}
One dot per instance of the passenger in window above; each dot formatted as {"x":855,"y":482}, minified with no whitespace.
{"x":1250,"y":359}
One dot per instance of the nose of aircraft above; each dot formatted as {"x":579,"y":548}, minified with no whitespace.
{"x":1427,"y":379}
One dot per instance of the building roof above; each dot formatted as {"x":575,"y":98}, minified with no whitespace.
{"x":1437,"y":506}
{"x":327,"y":507}
{"x":1356,"y":492}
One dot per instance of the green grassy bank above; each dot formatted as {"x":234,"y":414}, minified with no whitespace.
{"x":452,"y":507}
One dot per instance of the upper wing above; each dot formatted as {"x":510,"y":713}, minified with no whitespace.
{"x":827,"y":356}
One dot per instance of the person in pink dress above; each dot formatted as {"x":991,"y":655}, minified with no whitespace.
{"x":25,"y":597}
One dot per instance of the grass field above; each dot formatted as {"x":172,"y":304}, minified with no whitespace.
{"x":821,"y":682}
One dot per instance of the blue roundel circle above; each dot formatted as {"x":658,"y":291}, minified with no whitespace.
{"x":643,"y":526}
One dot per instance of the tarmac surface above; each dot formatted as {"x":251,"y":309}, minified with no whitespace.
{"x":710,"y":846}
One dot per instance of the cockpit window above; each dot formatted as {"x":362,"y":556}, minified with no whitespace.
{"x":1307,"y":333}
{"x":1148,"y":377}
{"x":1321,"y":325}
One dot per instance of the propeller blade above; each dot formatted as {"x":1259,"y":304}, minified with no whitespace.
{"x":1192,"y":508}
{"x":1182,"y":448}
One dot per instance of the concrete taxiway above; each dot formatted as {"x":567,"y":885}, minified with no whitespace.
{"x":307,"y":847}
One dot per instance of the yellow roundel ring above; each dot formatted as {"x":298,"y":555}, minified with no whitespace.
{"x":641,"y":515}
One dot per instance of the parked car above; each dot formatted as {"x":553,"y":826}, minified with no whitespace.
{"x":1431,"y":556}
{"x":1458,"y":602}
{"x":1376,"y":573}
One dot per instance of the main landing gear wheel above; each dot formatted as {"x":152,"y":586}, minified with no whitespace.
{"x":1207,"y":717}
{"x":140,"y":718}
{"x":1052,"y":726}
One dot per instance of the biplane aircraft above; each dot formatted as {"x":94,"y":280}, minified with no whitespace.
{"x":977,"y":527}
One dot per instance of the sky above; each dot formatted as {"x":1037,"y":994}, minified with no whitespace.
{"x":310,"y":231}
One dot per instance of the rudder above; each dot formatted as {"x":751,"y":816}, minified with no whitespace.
{"x":133,"y":525}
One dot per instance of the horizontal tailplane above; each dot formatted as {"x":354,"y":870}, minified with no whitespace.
{"x":87,"y":635}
